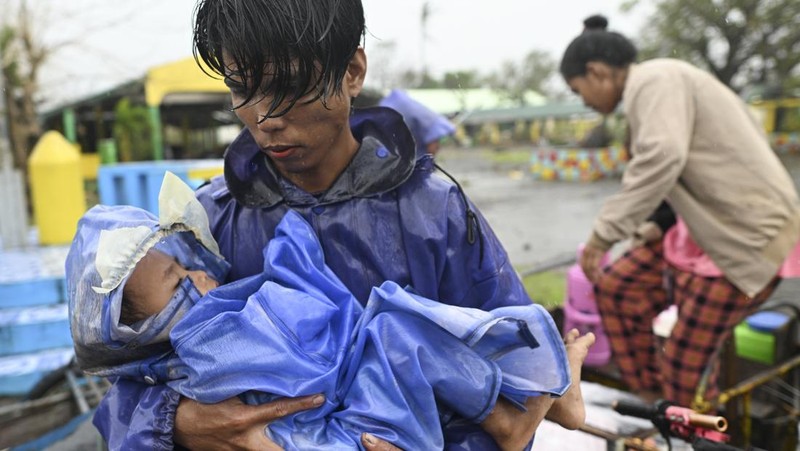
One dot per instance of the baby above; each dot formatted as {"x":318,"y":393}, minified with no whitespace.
{"x":153,"y":282}
{"x":403,"y":368}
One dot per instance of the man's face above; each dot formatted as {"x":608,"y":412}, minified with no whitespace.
{"x":156,"y":278}
{"x":312,"y":143}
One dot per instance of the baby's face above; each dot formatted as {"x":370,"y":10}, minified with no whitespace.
{"x":156,"y":278}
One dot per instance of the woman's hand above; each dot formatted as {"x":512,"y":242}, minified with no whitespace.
{"x":590,"y":261}
{"x":233,"y":425}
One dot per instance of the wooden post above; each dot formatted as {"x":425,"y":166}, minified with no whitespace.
{"x":14,"y":220}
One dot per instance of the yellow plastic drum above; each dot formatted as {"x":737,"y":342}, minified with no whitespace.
{"x":57,"y":193}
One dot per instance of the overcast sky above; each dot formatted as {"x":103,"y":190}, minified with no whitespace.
{"x":112,"y":41}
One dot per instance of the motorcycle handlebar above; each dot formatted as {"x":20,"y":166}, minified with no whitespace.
{"x":672,"y":413}
{"x":635,"y":409}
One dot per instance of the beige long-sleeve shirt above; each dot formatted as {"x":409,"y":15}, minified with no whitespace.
{"x":695,"y":144}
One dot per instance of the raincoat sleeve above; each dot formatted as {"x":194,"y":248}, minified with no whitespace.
{"x":134,"y":415}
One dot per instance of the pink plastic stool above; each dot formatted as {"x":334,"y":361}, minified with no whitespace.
{"x":600,"y":352}
{"x":580,"y":312}
{"x":580,"y":291}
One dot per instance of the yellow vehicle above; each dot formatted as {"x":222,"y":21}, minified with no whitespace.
{"x":781,"y":121}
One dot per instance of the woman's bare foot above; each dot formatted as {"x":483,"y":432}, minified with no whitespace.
{"x":569,"y":410}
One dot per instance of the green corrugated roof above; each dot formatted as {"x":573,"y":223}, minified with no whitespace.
{"x":453,"y":101}
{"x":526,"y":113}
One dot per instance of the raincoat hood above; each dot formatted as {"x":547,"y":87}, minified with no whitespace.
{"x":109,"y":243}
{"x":425,"y":124}
{"x":386,"y":147}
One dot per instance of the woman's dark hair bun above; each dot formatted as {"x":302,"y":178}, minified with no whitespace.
{"x":596,"y":22}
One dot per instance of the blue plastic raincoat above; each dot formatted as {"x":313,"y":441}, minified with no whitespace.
{"x":385,"y":218}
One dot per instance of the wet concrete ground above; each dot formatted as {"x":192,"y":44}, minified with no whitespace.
{"x":538,"y":222}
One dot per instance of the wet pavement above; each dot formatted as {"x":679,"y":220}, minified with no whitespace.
{"x":538,"y":222}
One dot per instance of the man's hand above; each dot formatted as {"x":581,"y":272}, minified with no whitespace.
{"x":590,"y":261}
{"x":232,"y":425}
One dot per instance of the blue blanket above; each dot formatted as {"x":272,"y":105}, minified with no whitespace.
{"x":398,"y":368}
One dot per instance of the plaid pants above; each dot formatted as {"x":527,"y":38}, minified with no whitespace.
{"x":631,"y":293}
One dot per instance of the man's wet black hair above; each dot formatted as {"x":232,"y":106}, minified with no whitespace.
{"x":596,"y":44}
{"x":283,"y":49}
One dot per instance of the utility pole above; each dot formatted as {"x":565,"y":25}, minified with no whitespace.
{"x":424,"y":17}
